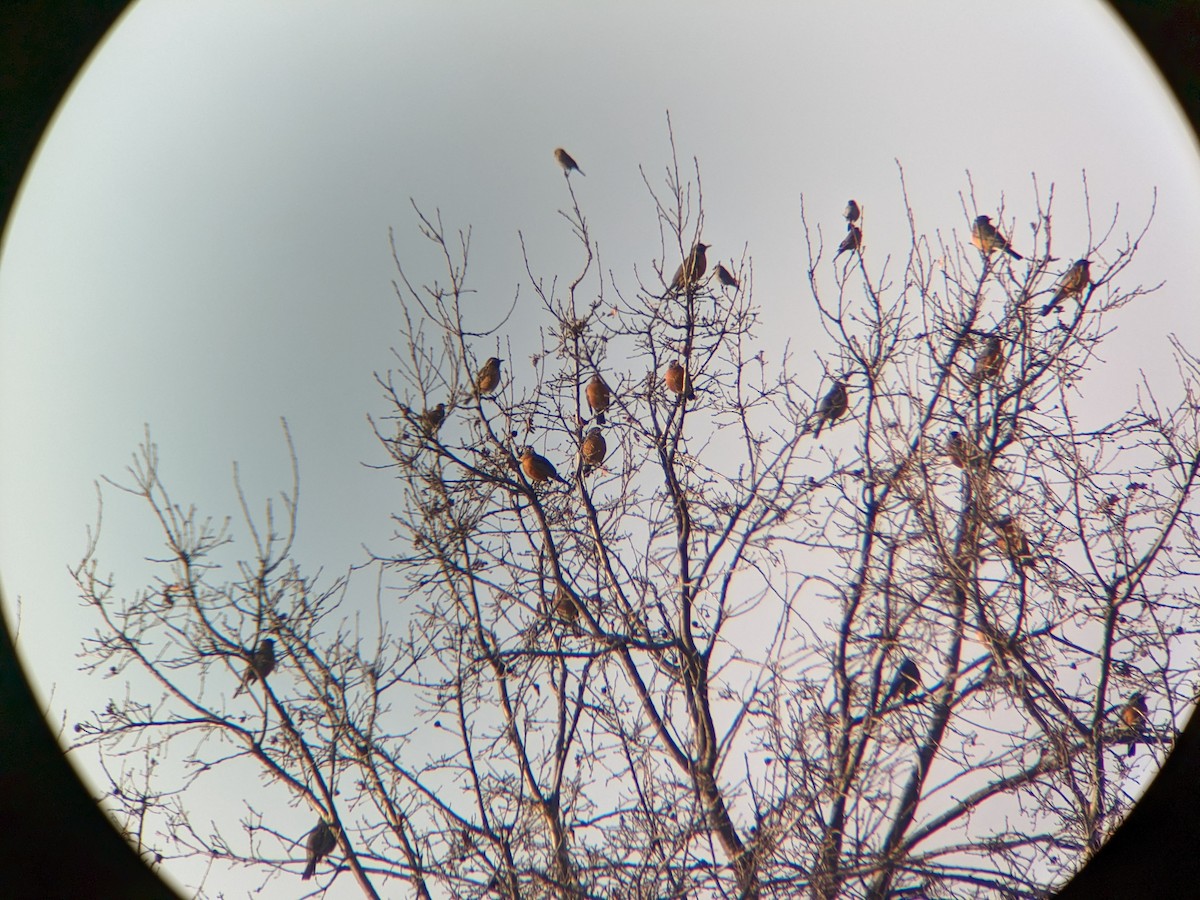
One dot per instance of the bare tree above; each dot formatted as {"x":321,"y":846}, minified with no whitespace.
{"x":875,"y":636}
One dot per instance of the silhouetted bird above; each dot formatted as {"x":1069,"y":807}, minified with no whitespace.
{"x":851,"y":212}
{"x":431,"y":420}
{"x":832,"y":406}
{"x":1073,"y":283}
{"x":693,"y":268}
{"x":985,"y":236}
{"x":566,"y":161}
{"x":906,"y":680}
{"x":488,"y":378}
{"x":537,"y":468}
{"x":598,"y":397}
{"x":853,"y":240}
{"x":1134,"y":716}
{"x":726,"y":278}
{"x":1014,"y":543}
{"x":321,"y":842}
{"x":678,"y":381}
{"x":593,"y":450}
{"x":262,"y":662}
{"x":990,"y":363}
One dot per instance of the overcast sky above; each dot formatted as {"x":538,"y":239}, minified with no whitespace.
{"x":202,"y":243}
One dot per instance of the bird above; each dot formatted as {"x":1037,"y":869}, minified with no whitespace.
{"x":262,"y":662}
{"x":488,"y":378}
{"x":851,"y":212}
{"x":906,"y":680}
{"x":726,"y":278}
{"x":693,"y":268}
{"x":832,"y":406}
{"x":599,"y":396}
{"x":985,"y":236}
{"x":1073,"y":283}
{"x":431,"y":420}
{"x":321,"y":842}
{"x":961,"y":452}
{"x":593,"y":450}
{"x":537,"y":468}
{"x":567,"y":161}
{"x":1013,"y":542}
{"x":990,"y":363}
{"x":678,"y":381}
{"x":852,"y":241}
{"x":1133,"y":719}
{"x":564,"y":605}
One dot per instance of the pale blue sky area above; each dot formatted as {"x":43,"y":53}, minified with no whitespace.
{"x":202,"y":244}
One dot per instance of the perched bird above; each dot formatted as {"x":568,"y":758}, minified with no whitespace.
{"x":1014,"y":543}
{"x":851,"y":212}
{"x":488,"y":378}
{"x":832,"y":406}
{"x":1073,"y":284}
{"x":961,"y":451}
{"x":593,"y":450}
{"x":726,"y":278}
{"x":537,"y":468}
{"x":566,"y":161}
{"x":262,"y":662}
{"x":431,"y":420}
{"x":906,"y":680}
{"x":321,"y":842}
{"x":564,"y":605}
{"x":693,"y":268}
{"x":990,"y":363}
{"x":853,"y":240}
{"x":1134,"y":716}
{"x":678,"y":381}
{"x":985,"y":236}
{"x":599,"y":396}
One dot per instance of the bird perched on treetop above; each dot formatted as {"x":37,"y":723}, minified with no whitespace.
{"x":431,"y":420}
{"x":906,"y":680}
{"x":1014,"y":543}
{"x":726,"y":278}
{"x":593,"y":450}
{"x":262,"y":662}
{"x":851,"y":212}
{"x":537,"y":468}
{"x":566,"y":161}
{"x":488,"y":378}
{"x":985,"y":236}
{"x":693,"y":268}
{"x":678,"y":381}
{"x":990,"y":363}
{"x":599,"y":396}
{"x":832,"y":406}
{"x":1073,"y":283}
{"x":1134,"y":716}
{"x":852,"y":241}
{"x":321,"y":842}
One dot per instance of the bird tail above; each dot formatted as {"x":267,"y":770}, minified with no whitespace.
{"x":309,"y":870}
{"x":600,"y":418}
{"x":1013,"y":253}
{"x":1053,"y":304}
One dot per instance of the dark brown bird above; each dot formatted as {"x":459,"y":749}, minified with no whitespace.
{"x":1134,"y":716}
{"x":832,"y":406}
{"x":985,"y":236}
{"x":1073,"y":283}
{"x":564,"y":605}
{"x":693,"y":268}
{"x":321,"y":842}
{"x":262,"y":663}
{"x":1013,"y":542}
{"x":990,"y":363}
{"x":851,"y":212}
{"x":852,"y":241}
{"x":906,"y":680}
{"x":598,"y":397}
{"x":678,"y":381}
{"x":431,"y":420}
{"x":566,"y":161}
{"x":594,"y":450}
{"x":488,"y":378}
{"x":537,"y":468}
{"x":726,"y":278}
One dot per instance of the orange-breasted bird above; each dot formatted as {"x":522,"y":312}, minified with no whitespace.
{"x":693,"y":268}
{"x":262,"y":663}
{"x":852,"y":241}
{"x":985,"y":236}
{"x":990,"y":363}
{"x":321,"y":842}
{"x":593,"y":450}
{"x":566,"y":161}
{"x":1073,"y":283}
{"x":1134,"y":716}
{"x":537,"y":468}
{"x":488,"y":378}
{"x":906,"y":680}
{"x":832,"y":406}
{"x":726,"y":277}
{"x":678,"y":381}
{"x":599,"y":396}
{"x":1013,"y":542}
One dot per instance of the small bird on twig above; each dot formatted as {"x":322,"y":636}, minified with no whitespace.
{"x":1073,"y":283}
{"x":321,"y":842}
{"x":431,"y":420}
{"x":725,"y":277}
{"x":832,"y":406}
{"x":537,"y":468}
{"x":566,"y":161}
{"x":851,"y":212}
{"x":262,"y":663}
{"x":488,"y":378}
{"x":678,"y":381}
{"x":593,"y":450}
{"x":1134,"y":716}
{"x":693,"y":268}
{"x":985,"y":236}
{"x":1014,"y":543}
{"x":599,"y":396}
{"x":906,"y":680}
{"x":990,"y":363}
{"x":852,"y":241}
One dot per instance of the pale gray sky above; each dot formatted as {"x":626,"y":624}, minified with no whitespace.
{"x":201,"y":244}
